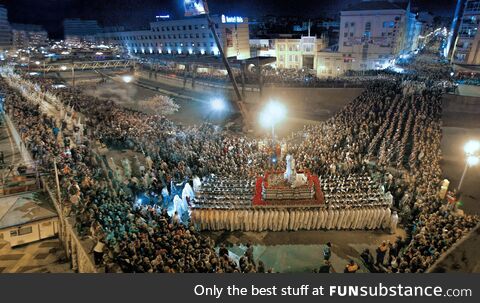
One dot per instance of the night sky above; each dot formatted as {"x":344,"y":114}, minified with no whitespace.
{"x":50,"y":13}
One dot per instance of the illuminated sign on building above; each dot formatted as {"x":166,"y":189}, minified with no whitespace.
{"x":235,"y":19}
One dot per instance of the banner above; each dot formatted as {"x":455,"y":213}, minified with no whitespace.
{"x":241,"y":288}
{"x":194,"y":7}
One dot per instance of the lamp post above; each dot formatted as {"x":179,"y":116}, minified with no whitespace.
{"x":471,"y":149}
{"x":217,"y":105}
{"x":127,"y":78}
{"x":272,"y":114}
{"x":73,"y":76}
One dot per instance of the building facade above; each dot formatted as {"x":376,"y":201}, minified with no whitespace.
{"x":185,"y":36}
{"x":374,"y":33}
{"x":298,"y":53}
{"x":24,"y":35}
{"x":78,"y":30}
{"x":5,"y":30}
{"x":466,"y":47}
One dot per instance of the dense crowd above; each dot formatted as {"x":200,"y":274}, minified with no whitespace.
{"x":391,"y":133}
{"x":269,"y":76}
{"x":138,"y":238}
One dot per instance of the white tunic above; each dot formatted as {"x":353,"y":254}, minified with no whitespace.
{"x":393,"y":223}
{"x":341,"y":216}
{"x":291,"y":219}
{"x":386,"y":222}
{"x":255,"y":220}
{"x":324,"y":218}
{"x":330,"y":215}
{"x":315,"y":219}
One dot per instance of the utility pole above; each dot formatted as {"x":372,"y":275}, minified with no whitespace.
{"x":211,"y":24}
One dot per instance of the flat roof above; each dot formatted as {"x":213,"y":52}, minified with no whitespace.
{"x":375,"y":6}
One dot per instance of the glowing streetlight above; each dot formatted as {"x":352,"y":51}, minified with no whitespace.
{"x":471,"y":149}
{"x":37,"y":62}
{"x":127,"y":79}
{"x":272,"y":114}
{"x":63,"y":67}
{"x":472,"y":160}
{"x":217,"y":105}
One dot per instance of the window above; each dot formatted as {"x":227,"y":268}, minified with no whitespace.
{"x":190,"y":27}
{"x":345,"y":35}
{"x":178,"y":27}
{"x":184,"y":27}
{"x":204,"y":35}
{"x":368,"y":26}
{"x":196,"y":26}
{"x":163,"y":28}
{"x":346,"y":24}
{"x":352,"y":24}
{"x":211,"y":44}
{"x":388,"y":24}
{"x":21,"y":231}
{"x":281,"y":47}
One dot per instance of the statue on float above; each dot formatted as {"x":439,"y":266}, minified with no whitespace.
{"x":290,"y":171}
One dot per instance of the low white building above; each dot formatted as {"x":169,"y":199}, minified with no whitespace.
{"x":25,"y":218}
{"x":298,"y":53}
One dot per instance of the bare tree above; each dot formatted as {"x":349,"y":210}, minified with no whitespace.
{"x":160,"y":105}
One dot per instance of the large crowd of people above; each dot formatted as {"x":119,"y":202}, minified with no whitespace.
{"x":269,"y":76}
{"x":390,"y":133}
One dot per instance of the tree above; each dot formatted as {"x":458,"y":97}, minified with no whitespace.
{"x":160,"y":105}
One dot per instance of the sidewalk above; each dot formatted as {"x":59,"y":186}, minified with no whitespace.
{"x":12,"y":155}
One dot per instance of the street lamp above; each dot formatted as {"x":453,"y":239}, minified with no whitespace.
{"x":471,"y":149}
{"x":63,"y":67}
{"x":217,"y":105}
{"x":127,"y":78}
{"x":272,"y":114}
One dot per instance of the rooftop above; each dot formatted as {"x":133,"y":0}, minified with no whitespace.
{"x":376,"y":5}
{"x":25,"y":208}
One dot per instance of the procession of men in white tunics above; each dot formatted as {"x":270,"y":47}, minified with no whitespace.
{"x":364,"y":215}
{"x":333,"y":217}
